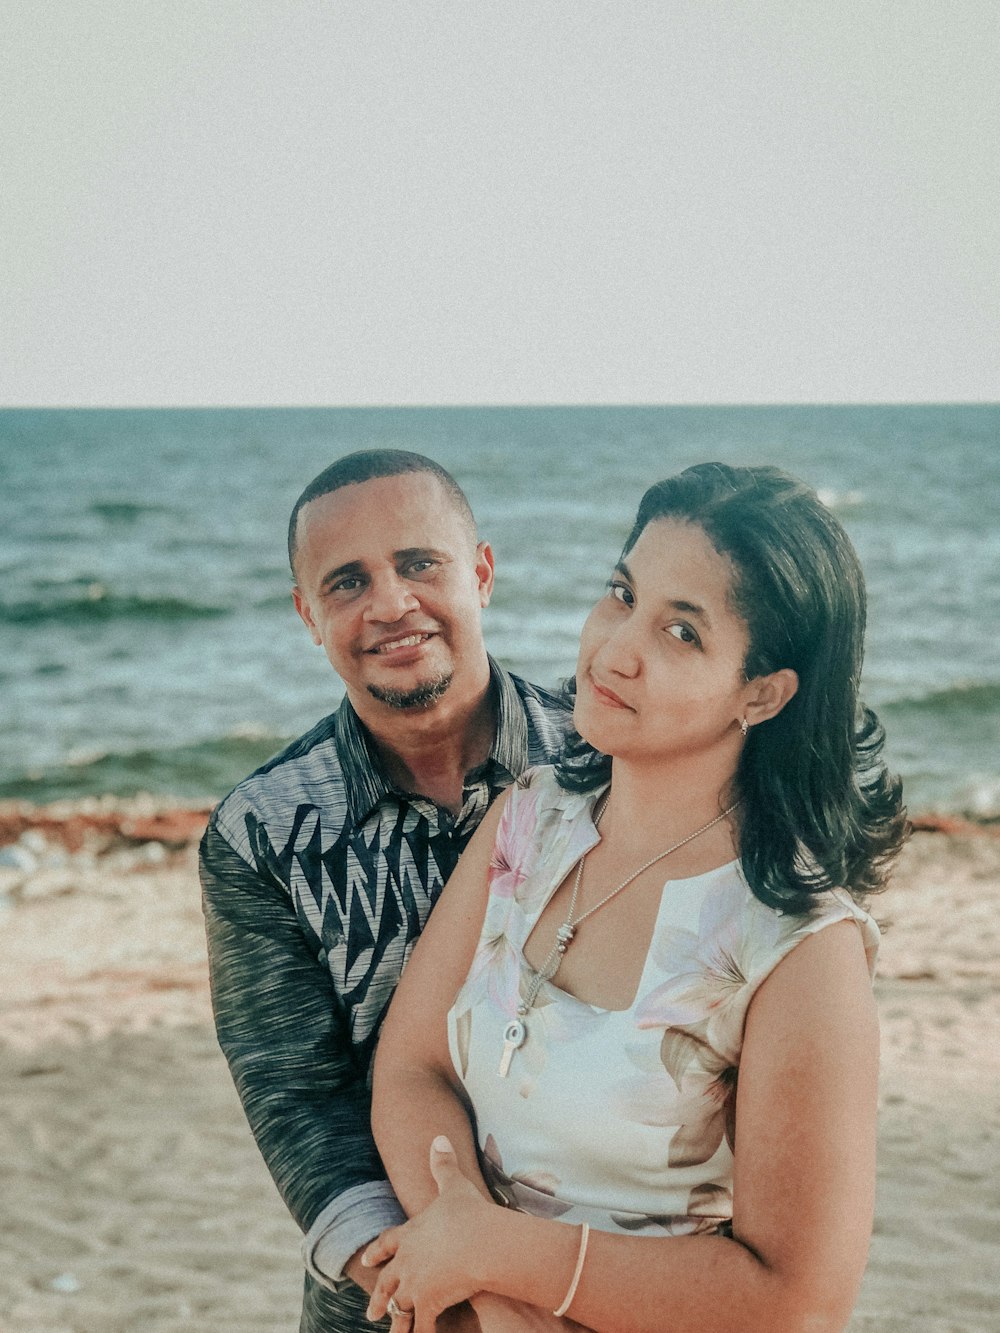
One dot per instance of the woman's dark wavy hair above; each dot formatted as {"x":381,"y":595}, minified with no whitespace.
{"x":820,"y":809}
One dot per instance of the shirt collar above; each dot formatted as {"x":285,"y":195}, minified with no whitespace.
{"x":366,"y":781}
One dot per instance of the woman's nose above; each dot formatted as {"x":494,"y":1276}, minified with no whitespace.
{"x":390,"y":599}
{"x":619,"y":653}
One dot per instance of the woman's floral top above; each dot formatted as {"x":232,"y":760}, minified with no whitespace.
{"x":622,"y":1118}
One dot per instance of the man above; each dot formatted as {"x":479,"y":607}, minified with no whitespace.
{"x":320,"y":869}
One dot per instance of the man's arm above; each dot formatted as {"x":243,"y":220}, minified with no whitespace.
{"x":284,"y":1034}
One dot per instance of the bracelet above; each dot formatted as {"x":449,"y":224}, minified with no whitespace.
{"x":575,"y":1282}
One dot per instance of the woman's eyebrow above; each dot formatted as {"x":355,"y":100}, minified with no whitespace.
{"x":691,"y":609}
{"x":675,"y":604}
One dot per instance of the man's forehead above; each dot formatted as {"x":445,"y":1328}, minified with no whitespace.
{"x":382,"y":516}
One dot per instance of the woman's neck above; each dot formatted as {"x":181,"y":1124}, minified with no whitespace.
{"x":650,"y":806}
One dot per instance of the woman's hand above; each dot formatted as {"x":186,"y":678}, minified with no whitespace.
{"x":433,"y":1261}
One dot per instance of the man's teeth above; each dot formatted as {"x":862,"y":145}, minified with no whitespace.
{"x":408,"y":642}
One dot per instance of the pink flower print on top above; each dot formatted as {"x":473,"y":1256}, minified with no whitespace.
{"x":512,"y":856}
{"x":712,"y":974}
{"x":706,"y":1106}
{"x":685,"y":1086}
{"x":534,"y":1193}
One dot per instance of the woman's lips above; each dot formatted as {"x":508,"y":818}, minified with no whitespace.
{"x":609,"y":697}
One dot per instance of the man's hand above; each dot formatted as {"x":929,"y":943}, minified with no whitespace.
{"x":364,"y":1276}
{"x":496,"y":1314}
{"x":459,"y":1319}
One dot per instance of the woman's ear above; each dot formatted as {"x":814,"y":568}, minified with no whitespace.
{"x":767,"y":695}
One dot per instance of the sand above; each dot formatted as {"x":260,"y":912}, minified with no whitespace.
{"x":134,"y":1199}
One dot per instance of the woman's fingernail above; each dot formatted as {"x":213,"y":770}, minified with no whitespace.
{"x":441,"y":1144}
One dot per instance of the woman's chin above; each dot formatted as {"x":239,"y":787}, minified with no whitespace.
{"x":582,"y":725}
{"x":600,"y":738}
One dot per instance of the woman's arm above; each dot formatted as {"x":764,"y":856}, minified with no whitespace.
{"x":415,"y":1093}
{"x":803,"y":1190}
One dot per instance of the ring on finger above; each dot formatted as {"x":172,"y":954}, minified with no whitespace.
{"x":396,"y":1310}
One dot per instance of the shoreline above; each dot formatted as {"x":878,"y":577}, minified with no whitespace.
{"x":149,"y":817}
{"x":136,"y":1199}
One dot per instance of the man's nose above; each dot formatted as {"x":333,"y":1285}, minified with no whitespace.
{"x":390,"y":599}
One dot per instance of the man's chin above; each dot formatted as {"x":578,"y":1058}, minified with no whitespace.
{"x":424,"y":695}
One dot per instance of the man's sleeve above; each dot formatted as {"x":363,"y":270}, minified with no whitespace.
{"x":284,"y":1033}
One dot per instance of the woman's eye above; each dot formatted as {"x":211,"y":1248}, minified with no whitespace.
{"x":683,"y":632}
{"x":622,"y":594}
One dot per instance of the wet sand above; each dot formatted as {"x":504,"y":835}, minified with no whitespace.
{"x":134,"y":1198}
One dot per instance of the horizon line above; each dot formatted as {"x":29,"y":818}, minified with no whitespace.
{"x":491,"y":406}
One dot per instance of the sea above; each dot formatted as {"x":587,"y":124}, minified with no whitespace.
{"x":149,"y":642}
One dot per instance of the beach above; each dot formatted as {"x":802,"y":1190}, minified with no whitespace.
{"x":135,"y":1199}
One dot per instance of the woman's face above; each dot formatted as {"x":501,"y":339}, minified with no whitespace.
{"x":660,"y":670}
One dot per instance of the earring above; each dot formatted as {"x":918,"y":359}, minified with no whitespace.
{"x":744,"y":728}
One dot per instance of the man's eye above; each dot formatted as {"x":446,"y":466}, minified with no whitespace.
{"x":350,"y":584}
{"x":621,"y":593}
{"x":683,"y":632}
{"x":421,"y":566}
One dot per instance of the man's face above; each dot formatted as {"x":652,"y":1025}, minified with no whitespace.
{"x":391,"y":583}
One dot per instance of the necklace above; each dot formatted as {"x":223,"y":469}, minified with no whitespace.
{"x":516,"y":1031}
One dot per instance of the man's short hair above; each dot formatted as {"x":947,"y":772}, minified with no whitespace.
{"x":366,"y":465}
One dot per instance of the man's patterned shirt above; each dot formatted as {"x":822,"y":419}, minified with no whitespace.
{"x":318,"y":876}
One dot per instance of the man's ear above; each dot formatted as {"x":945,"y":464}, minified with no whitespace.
{"x":302,"y":607}
{"x":484,"y":572}
{"x":767,"y":695}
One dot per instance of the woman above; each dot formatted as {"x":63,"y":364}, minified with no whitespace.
{"x":647,"y":984}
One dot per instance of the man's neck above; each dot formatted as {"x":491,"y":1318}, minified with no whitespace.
{"x":428,"y":751}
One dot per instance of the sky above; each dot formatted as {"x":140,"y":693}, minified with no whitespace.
{"x":277,"y":202}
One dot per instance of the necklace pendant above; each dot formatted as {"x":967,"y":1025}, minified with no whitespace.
{"x":564,"y":936}
{"x":513,"y":1039}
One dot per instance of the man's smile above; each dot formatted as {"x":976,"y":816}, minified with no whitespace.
{"x":394,"y":645}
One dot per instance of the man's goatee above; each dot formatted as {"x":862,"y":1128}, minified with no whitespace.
{"x":422,"y":696}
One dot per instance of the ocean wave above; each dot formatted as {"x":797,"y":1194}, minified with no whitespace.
{"x":201,"y":771}
{"x":964,"y":698}
{"x":841,"y":500}
{"x":95,"y":602}
{"x":981,"y":798}
{"x":124,"y":511}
